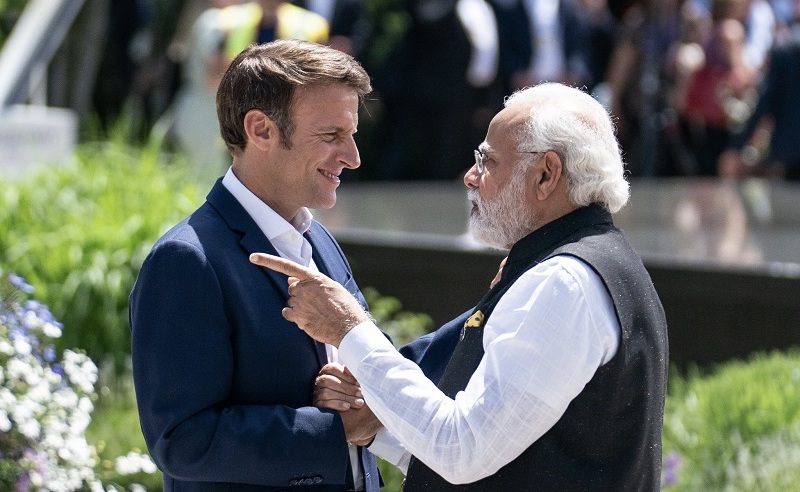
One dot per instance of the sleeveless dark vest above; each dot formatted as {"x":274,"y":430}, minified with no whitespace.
{"x":609,"y":438}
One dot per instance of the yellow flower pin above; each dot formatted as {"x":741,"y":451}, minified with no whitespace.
{"x":474,"y":321}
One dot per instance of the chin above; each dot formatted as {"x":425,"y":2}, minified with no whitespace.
{"x":326,"y":204}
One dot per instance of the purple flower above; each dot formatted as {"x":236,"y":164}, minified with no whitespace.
{"x":672,"y":463}
{"x":23,"y":484}
{"x":20,"y":283}
{"x":49,"y":354}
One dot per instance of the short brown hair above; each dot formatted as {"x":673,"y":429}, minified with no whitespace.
{"x":265,"y":76}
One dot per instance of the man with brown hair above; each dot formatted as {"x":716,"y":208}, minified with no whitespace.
{"x":223,"y":382}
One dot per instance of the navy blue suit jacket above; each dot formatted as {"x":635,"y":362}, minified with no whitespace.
{"x":432,"y":352}
{"x":223,"y":382}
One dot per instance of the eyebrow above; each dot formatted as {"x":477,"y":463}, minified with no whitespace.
{"x":332,"y":129}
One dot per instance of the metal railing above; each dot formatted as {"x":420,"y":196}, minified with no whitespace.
{"x":33,"y":43}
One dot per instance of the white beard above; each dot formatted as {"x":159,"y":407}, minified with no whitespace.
{"x":505,"y":220}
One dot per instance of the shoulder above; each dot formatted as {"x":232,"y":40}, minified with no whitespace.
{"x":563,"y":276}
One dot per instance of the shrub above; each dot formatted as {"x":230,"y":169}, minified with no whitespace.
{"x":79,"y":234}
{"x":737,"y":428}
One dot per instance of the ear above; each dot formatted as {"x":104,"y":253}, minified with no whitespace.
{"x":547,"y":175}
{"x":260,"y":130}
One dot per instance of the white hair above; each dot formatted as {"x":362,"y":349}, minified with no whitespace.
{"x":577,"y":127}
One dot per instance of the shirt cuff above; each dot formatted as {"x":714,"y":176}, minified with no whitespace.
{"x":359,"y":342}
{"x":387,"y":447}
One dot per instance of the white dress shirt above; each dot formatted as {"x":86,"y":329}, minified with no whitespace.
{"x":547,"y":60}
{"x":288,"y":240}
{"x":545,"y":339}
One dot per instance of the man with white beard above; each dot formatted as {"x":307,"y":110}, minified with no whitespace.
{"x":556,"y":379}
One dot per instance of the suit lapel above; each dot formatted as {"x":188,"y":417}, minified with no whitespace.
{"x":252,"y":238}
{"x":254,"y":241}
{"x":320,"y":253}
{"x":325,"y":254}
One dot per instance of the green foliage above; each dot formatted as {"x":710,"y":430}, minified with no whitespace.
{"x":390,"y":21}
{"x":392,"y":477}
{"x":80,"y":232}
{"x":114,"y":430}
{"x":9,"y":13}
{"x":402,"y":326}
{"x":737,"y":429}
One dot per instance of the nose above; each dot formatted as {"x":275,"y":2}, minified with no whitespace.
{"x":472,"y":178}
{"x":349,"y":156}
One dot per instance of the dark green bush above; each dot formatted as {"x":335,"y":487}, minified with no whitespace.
{"x":79,"y":233}
{"x":736,"y":429}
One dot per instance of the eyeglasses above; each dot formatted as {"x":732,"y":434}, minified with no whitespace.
{"x":480,"y":156}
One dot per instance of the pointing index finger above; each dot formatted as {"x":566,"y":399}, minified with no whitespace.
{"x":282,"y":265}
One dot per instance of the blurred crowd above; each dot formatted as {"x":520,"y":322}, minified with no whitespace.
{"x":696,"y":87}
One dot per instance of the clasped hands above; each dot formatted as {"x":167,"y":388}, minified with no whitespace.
{"x":336,"y":388}
{"x":326,"y":311}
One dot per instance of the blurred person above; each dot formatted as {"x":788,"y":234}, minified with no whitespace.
{"x":514,"y":46}
{"x":640,"y":79}
{"x":720,"y":93}
{"x":217,"y":36}
{"x":601,"y":32}
{"x":555,"y":41}
{"x":572,"y":325}
{"x":760,"y":23}
{"x":767,"y":145}
{"x":263,"y":21}
{"x":349,"y":21}
{"x":760,"y":26}
{"x":223,"y":382}
{"x":430,"y":87}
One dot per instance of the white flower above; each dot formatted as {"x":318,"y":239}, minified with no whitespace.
{"x":40,"y":392}
{"x":80,"y":370}
{"x":31,"y":320}
{"x":22,"y":347}
{"x":6,"y":348}
{"x":85,"y":405}
{"x":36,"y":478}
{"x":17,"y":369}
{"x":65,"y":398}
{"x":30,"y":428}
{"x":51,"y":330}
{"x":133,"y":463}
{"x":47,"y":412}
{"x":5,"y":423}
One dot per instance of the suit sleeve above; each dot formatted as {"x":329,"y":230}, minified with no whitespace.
{"x":432,"y":352}
{"x":184,"y":371}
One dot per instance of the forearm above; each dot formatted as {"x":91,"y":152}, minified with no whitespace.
{"x":423,"y":418}
{"x":258,"y":445}
{"x":538,"y":357}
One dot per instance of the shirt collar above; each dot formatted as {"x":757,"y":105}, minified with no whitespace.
{"x":269,"y":221}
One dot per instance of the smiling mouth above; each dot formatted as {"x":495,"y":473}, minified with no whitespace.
{"x":329,"y":175}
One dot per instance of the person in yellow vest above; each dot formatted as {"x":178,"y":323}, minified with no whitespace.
{"x":218,"y":35}
{"x":267,"y":20}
